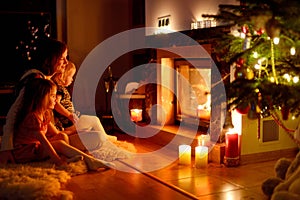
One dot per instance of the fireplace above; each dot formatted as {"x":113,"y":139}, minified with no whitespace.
{"x":202,"y":103}
{"x":192,"y":87}
{"x":191,"y":81}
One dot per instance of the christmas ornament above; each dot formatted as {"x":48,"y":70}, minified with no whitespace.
{"x":247,"y":41}
{"x":243,"y":108}
{"x":245,"y":29}
{"x":252,"y":114}
{"x":285,"y":111}
{"x":244,"y":73}
{"x":240,"y":62}
{"x":260,"y":31}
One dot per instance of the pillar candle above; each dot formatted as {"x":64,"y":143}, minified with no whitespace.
{"x":231,"y":145}
{"x":201,"y":156}
{"x":185,"y":154}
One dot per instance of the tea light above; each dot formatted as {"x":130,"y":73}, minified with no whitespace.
{"x":185,"y":154}
{"x":201,"y":156}
{"x":136,"y":115}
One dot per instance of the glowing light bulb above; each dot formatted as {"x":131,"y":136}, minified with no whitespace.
{"x":255,"y":54}
{"x":243,"y":35}
{"x":296,"y":79}
{"x":287,"y":77}
{"x":276,"y":40}
{"x":293,"y":51}
{"x":257,"y":66}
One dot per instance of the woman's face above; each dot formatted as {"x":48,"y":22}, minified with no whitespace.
{"x":62,"y":62}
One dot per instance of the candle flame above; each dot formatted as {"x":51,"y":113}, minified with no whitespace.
{"x":201,"y":140}
{"x":231,"y":131}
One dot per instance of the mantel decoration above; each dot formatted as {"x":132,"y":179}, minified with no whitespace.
{"x":263,"y":47}
{"x":110,"y":83}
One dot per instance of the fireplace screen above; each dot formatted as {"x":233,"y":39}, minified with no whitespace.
{"x":193,"y":85}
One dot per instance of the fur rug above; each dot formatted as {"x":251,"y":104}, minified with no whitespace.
{"x":42,"y":180}
{"x":113,"y":149}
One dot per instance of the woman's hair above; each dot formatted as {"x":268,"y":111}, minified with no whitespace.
{"x":35,"y":98}
{"x":48,"y":52}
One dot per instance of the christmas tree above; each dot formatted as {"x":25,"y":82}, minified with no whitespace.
{"x":34,"y":27}
{"x":263,"y":47}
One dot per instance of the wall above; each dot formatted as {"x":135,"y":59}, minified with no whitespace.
{"x":181,"y":12}
{"x":252,"y":144}
{"x":83,"y":24}
{"x":90,"y":22}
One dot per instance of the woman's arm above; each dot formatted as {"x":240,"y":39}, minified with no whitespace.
{"x":63,"y":111}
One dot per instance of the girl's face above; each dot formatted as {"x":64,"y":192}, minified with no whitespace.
{"x":69,"y":77}
{"x":62,"y":62}
{"x":52,"y":98}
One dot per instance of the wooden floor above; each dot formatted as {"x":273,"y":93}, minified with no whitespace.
{"x":173,"y":181}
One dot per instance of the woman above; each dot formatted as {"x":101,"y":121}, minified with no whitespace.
{"x":50,"y":58}
{"x":35,"y":138}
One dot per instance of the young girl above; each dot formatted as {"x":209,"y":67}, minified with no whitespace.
{"x":65,"y":114}
{"x":35,"y":138}
{"x":89,"y":128}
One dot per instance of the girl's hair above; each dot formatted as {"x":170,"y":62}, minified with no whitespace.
{"x":35,"y":98}
{"x":59,"y":77}
{"x":47,"y":54}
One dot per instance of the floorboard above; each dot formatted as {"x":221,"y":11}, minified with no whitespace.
{"x":172,"y":181}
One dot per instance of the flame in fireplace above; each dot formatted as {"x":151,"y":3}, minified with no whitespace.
{"x":203,"y":110}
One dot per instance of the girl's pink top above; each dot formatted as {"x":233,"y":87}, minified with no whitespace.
{"x":26,"y":133}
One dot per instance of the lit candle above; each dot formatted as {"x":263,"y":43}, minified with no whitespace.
{"x":136,"y":115}
{"x":199,"y":108}
{"x":231,"y":145}
{"x":203,"y":140}
{"x":201,"y":156}
{"x":185,"y":154}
